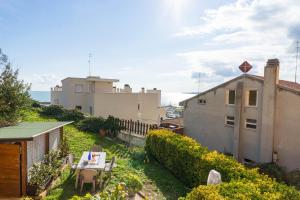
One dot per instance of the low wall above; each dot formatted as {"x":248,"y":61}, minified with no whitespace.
{"x":133,"y":139}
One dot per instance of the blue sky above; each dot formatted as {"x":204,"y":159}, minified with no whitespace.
{"x":148,"y":43}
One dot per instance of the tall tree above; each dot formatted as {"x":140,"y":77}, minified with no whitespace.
{"x":14,"y":95}
{"x":3,"y":57}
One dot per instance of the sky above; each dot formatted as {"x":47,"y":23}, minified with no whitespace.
{"x":166,"y":44}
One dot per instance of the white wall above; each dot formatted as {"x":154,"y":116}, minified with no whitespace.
{"x":206,"y":123}
{"x":125,"y":106}
{"x":36,"y":150}
{"x":54,"y":139}
{"x":287,"y":129}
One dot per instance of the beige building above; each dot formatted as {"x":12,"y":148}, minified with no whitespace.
{"x":254,"y":118}
{"x":99,"y":97}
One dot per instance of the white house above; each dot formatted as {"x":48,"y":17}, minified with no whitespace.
{"x":98,"y":96}
{"x":252,"y":117}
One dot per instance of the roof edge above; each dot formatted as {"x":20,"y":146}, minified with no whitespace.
{"x":64,"y":124}
{"x":221,"y":85}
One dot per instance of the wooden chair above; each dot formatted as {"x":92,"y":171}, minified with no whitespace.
{"x":96,"y":148}
{"x":71,"y":163}
{"x":88,"y":176}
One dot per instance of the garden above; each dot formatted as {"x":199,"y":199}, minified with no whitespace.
{"x":170,"y":166}
{"x":135,"y":170}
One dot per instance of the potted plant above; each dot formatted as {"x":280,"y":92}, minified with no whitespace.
{"x":64,"y":150}
{"x":40,"y":178}
{"x":102,"y":132}
{"x":133,"y":184}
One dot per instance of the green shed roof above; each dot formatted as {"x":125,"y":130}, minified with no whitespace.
{"x":28,"y":130}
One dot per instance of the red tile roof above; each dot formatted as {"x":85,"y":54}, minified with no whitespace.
{"x":284,"y":83}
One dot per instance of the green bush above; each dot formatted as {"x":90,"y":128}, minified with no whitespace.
{"x":91,"y":124}
{"x":112,"y":125}
{"x":191,"y":163}
{"x":293,"y":178}
{"x":272,"y":170}
{"x":133,"y":183}
{"x":64,"y":147}
{"x":39,"y":173}
{"x":243,"y":189}
{"x":71,"y":115}
{"x":53,"y":111}
{"x":61,"y":114}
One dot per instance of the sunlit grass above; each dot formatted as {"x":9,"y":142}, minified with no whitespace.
{"x":158,"y":182}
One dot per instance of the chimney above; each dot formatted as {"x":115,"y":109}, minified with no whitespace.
{"x":271,"y":79}
{"x":143,"y":90}
{"x":114,"y":89}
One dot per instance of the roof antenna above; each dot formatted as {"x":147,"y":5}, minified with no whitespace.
{"x":199,"y":75}
{"x":297,"y":51}
{"x":90,"y":55}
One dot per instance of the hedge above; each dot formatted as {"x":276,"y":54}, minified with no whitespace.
{"x":191,"y":163}
{"x":61,"y":114}
{"x":92,"y":124}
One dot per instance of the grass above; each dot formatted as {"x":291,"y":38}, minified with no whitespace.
{"x":158,"y":182}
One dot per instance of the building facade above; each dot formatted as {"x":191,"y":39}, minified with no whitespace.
{"x":253,"y":118}
{"x":99,"y":97}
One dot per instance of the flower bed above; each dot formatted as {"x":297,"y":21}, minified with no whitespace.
{"x":191,"y":163}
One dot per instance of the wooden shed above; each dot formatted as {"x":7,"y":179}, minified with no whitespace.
{"x":21,"y":146}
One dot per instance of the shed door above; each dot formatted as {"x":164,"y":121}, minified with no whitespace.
{"x":10,"y":174}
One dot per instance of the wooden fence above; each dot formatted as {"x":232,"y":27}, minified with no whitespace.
{"x":136,"y":127}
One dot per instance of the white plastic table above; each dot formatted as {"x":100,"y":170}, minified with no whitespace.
{"x":99,"y":165}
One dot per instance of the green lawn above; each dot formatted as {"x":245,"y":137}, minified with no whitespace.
{"x":158,"y":182}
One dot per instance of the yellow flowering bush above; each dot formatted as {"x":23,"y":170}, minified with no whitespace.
{"x":191,"y":163}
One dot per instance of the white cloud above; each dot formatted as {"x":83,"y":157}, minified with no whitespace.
{"x":245,"y":30}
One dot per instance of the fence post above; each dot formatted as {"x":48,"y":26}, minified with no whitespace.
{"x":147,"y":127}
{"x":138,"y":127}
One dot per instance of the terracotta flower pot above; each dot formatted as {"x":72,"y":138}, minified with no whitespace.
{"x":102,"y":133}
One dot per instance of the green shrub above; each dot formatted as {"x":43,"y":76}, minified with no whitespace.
{"x":112,"y":125}
{"x":35,"y":104}
{"x":61,"y":114}
{"x":71,"y":115}
{"x":91,"y":124}
{"x":53,"y":160}
{"x":191,"y":163}
{"x":118,"y":193}
{"x":133,"y":183}
{"x":39,"y":173}
{"x":272,"y":170}
{"x":243,"y":189}
{"x":64,"y":147}
{"x":53,"y":111}
{"x":293,"y":178}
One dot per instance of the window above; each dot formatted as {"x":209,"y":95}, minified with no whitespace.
{"x":252,"y":98}
{"x":91,"y":87}
{"x":231,"y":97}
{"x":91,"y":110}
{"x":201,"y":101}
{"x":251,"y":123}
{"x":229,"y":120}
{"x":78,"y":88}
{"x":138,"y":106}
{"x":78,"y":107}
